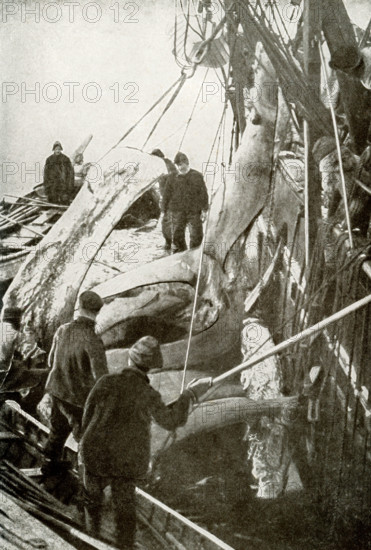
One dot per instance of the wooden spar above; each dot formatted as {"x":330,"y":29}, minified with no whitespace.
{"x":312,"y":68}
{"x":310,"y":331}
{"x":38,"y":202}
{"x":16,"y":222}
{"x":18,"y":217}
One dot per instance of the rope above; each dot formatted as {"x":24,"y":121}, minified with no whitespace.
{"x":200,"y":262}
{"x":142,"y":117}
{"x":180,"y":82}
{"x":192,"y":112}
{"x":345,"y":198}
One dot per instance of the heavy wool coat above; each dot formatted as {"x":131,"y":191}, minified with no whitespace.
{"x":116,"y":424}
{"x":59,"y":178}
{"x":185,"y":193}
{"x":77,"y":360}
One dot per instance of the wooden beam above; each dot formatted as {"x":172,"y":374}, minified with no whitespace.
{"x":312,"y":68}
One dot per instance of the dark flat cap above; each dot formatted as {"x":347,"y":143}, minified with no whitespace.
{"x":90,"y":301}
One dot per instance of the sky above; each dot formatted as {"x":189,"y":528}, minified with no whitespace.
{"x":96,"y":68}
{"x":94,"y":78}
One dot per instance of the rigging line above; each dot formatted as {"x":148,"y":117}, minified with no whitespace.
{"x":202,"y":248}
{"x":181,"y":81}
{"x":246,"y":39}
{"x":142,"y":117}
{"x":222,"y":165}
{"x":193,"y":110}
{"x":276,"y":48}
{"x":186,"y":36}
{"x":270,"y":36}
{"x":197,"y":16}
{"x":276,"y":10}
{"x":176,"y":131}
{"x":342,"y":177}
{"x":175,"y":28}
{"x":188,"y":23}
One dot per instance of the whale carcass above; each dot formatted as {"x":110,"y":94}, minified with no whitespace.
{"x":163,"y":290}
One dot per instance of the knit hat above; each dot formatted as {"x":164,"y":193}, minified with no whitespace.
{"x":90,"y":301}
{"x":323,"y":147}
{"x":10,"y":314}
{"x":180,"y":157}
{"x":345,"y":58}
{"x":146,"y":353}
{"x":57,"y":144}
{"x":158,"y":153}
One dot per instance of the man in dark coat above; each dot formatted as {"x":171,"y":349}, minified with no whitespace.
{"x":59,"y":177}
{"x":77,"y":360}
{"x":115,"y":443}
{"x":166,"y":218}
{"x":20,"y":367}
{"x":186,"y":199}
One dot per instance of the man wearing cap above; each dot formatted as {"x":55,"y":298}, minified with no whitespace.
{"x":115,"y":444}
{"x":186,"y":199}
{"x":166,"y":219}
{"x":77,"y":360}
{"x":59,"y":177}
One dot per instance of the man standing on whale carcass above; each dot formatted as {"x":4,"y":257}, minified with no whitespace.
{"x":77,"y":359}
{"x":59,"y":177}
{"x":186,"y":198}
{"x":114,"y":449}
